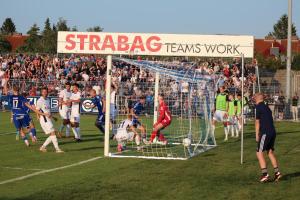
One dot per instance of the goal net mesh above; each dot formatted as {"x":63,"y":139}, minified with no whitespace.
{"x":188,"y":93}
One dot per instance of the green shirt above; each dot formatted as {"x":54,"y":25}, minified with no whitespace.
{"x":239,"y":106}
{"x":231,"y":108}
{"x":221,"y":102}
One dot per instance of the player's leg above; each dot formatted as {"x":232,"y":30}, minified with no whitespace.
{"x":100,"y":126}
{"x":261,"y":147}
{"x":143,"y":133}
{"x":155,"y":131}
{"x":231,"y":125}
{"x":236,"y":125}
{"x":19,"y":124}
{"x":272,"y":158}
{"x":75,"y":127}
{"x":48,"y":128}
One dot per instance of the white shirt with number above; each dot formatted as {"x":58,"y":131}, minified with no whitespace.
{"x":43,"y":105}
{"x":122,"y":133}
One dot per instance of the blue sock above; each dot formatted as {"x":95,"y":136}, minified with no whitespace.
{"x":33,"y":131}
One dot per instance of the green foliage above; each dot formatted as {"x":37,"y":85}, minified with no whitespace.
{"x":296,"y":62}
{"x":49,"y":37}
{"x":280,"y":29}
{"x":4,"y":45}
{"x":33,"y":42}
{"x":62,"y":25}
{"x":95,"y":29}
{"x":271,"y":63}
{"x":8,"y":27}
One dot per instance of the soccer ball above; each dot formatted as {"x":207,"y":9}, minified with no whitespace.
{"x":186,"y":142}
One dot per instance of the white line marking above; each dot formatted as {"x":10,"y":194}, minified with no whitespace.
{"x":48,"y":170}
{"x":7,"y":133}
{"x":19,"y":168}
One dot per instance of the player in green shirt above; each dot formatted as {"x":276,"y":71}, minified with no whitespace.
{"x":232,"y":115}
{"x":220,"y":112}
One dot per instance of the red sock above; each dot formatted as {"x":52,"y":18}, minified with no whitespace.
{"x":153,"y":135}
{"x":161,"y":137}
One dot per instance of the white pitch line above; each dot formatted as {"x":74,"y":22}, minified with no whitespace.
{"x":7,"y":133}
{"x":48,"y":170}
{"x":19,"y":168}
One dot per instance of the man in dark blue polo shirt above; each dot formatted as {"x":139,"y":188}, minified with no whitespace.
{"x":265,"y":138}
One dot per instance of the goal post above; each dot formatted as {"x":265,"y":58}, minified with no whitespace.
{"x":192,"y":108}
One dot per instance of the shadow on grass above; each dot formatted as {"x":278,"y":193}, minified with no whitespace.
{"x":290,"y":176}
{"x":85,"y":149}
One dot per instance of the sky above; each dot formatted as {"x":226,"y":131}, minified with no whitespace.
{"x":242,"y":17}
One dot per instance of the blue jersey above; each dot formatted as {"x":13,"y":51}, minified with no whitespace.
{"x":97,"y":101}
{"x":17,"y":104}
{"x":138,"y":108}
{"x":26,"y":109}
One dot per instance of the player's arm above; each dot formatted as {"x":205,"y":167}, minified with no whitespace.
{"x":132,"y":128}
{"x":36,"y":110}
{"x":257,"y":130}
{"x":103,"y":105}
{"x":235,"y":108}
{"x":133,"y":113}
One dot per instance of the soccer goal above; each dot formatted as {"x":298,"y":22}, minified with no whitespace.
{"x":189,"y":96}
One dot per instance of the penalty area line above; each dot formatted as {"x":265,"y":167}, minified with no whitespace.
{"x":48,"y":171}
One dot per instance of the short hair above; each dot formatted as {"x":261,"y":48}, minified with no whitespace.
{"x":76,"y":84}
{"x":44,"y":88}
{"x":142,"y":97}
{"x":162,"y":95}
{"x":67,"y":83}
{"x":15,"y":88}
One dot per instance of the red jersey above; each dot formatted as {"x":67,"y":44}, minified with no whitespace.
{"x":164,"y":113}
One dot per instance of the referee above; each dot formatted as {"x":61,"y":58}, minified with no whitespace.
{"x":265,"y":138}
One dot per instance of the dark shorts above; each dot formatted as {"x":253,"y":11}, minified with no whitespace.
{"x":266,"y":143}
{"x":136,"y":123}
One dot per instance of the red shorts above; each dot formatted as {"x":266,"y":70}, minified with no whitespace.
{"x":166,"y":122}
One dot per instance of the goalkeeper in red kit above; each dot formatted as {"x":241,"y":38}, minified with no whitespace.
{"x":163,"y":121}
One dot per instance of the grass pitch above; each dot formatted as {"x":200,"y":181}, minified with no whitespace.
{"x":216,"y":174}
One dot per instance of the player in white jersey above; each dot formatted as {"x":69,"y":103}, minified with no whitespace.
{"x":75,"y":112}
{"x":126,"y":132}
{"x":43,"y":105}
{"x":64,"y":108}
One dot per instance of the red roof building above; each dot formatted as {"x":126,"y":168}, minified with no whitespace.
{"x":16,"y":40}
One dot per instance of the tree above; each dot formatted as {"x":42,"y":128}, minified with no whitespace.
{"x":74,"y":28}
{"x":4,"y":45}
{"x":280,"y":29}
{"x":8,"y":27}
{"x":296,"y":62}
{"x":33,"y":42}
{"x":48,"y":41}
{"x":62,"y":25}
{"x":95,"y":29}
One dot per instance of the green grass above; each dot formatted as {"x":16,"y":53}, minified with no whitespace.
{"x":216,"y":174}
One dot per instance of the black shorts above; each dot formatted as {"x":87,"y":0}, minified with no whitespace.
{"x":266,"y":142}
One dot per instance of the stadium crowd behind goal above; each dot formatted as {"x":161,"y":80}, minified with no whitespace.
{"x":32,"y":72}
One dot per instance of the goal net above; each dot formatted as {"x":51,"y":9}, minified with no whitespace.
{"x":189,"y":95}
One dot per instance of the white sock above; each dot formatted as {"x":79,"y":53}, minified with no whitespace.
{"x":78,"y":132}
{"x":231,"y":127}
{"x":137,"y":141}
{"x":54,"y":141}
{"x":48,"y":140}
{"x":68,"y":130}
{"x":226,"y":132}
{"x":75,"y":132}
{"x":26,"y":142}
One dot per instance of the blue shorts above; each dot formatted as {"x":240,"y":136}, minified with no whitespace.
{"x":20,"y":121}
{"x":136,"y":123}
{"x":101,"y":119}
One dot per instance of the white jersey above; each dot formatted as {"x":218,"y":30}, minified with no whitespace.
{"x":65,"y":96}
{"x":122,"y":133}
{"x":124,"y":125}
{"x":43,"y":105}
{"x":75,"y":106}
